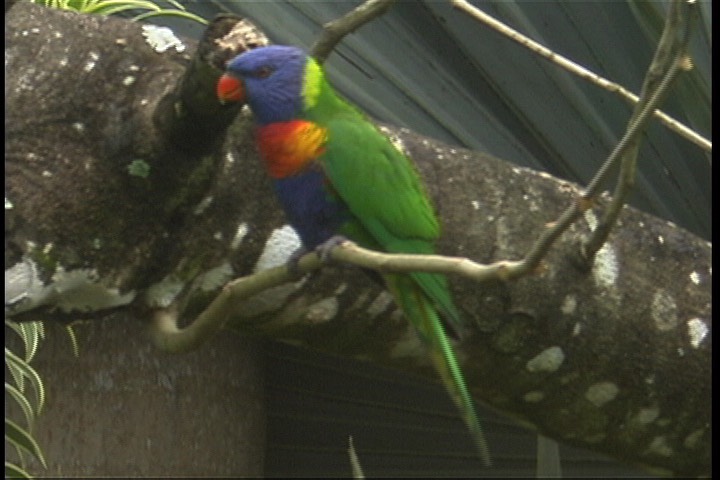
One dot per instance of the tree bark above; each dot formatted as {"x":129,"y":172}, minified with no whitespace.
{"x":615,"y":358}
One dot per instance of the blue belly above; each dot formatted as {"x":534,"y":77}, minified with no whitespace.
{"x":312,"y":209}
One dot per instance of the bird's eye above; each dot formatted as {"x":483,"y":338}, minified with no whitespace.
{"x":262,"y":72}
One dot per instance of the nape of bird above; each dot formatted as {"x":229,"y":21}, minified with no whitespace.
{"x":337,"y":176}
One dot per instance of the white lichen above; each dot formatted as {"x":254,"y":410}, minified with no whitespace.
{"x":203,"y":205}
{"x":591,"y":220}
{"x":75,"y":290}
{"x":240,"y":232}
{"x":659,"y":446}
{"x":394,"y":140}
{"x":549,"y":360}
{"x":81,"y":290}
{"x":90,"y":64}
{"x":577,"y":328}
{"x":534,"y":397}
{"x":697,"y":331}
{"x":281,"y":244}
{"x":161,"y":39}
{"x":323,"y":310}
{"x":663,"y":311}
{"x":601,"y":393}
{"x":20,"y":281}
{"x":605,"y":267}
{"x":341,"y":288}
{"x":164,"y":292}
{"x":647,"y":415}
{"x":380,"y":304}
{"x":216,"y":277}
{"x":569,"y":305}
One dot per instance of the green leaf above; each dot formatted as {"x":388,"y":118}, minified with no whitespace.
{"x":30,"y":333}
{"x":22,"y":401}
{"x":171,"y":13}
{"x":73,"y":340}
{"x":12,"y":361}
{"x":119,"y":5}
{"x":13,"y":471}
{"x":22,"y":439}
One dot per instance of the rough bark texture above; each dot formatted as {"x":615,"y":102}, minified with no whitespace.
{"x":615,"y":358}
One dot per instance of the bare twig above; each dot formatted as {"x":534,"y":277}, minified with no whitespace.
{"x":335,"y":30}
{"x":669,"y":57}
{"x":573,"y":212}
{"x":580,"y":71}
{"x":167,"y":336}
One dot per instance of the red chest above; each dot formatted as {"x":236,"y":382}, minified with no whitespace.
{"x":287,"y":147}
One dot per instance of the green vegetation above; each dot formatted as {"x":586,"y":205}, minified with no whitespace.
{"x":109,"y":7}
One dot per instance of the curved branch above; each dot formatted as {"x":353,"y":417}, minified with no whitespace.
{"x":169,"y":337}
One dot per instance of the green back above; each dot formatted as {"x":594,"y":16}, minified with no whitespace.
{"x":382,"y":189}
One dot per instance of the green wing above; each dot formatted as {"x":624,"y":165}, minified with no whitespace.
{"x":384,"y":192}
{"x":379,"y":183}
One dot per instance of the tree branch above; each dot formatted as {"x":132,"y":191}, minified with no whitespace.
{"x":167,"y":336}
{"x":190,"y":117}
{"x":670,"y":55}
{"x":625,"y":150}
{"x":335,"y":30}
{"x":616,"y":359}
{"x":582,"y":72}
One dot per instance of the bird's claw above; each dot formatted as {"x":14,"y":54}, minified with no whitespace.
{"x":325,"y":249}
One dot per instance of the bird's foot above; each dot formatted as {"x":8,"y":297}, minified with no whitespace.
{"x":325,"y":249}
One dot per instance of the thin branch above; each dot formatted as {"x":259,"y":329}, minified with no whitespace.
{"x":580,"y":71}
{"x":335,"y":30}
{"x":573,"y":212}
{"x":669,"y":57}
{"x":169,"y":337}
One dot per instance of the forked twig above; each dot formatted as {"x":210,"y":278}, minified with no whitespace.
{"x":580,"y":71}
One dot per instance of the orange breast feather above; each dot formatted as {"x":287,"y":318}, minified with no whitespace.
{"x":287,"y":147}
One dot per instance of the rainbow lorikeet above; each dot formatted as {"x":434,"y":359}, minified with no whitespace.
{"x":336,"y":175}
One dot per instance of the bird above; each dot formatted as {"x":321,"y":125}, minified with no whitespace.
{"x":338,"y":177}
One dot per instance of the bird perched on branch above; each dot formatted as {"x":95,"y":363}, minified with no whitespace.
{"x":338,"y":177}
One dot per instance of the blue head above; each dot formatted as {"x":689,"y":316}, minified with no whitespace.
{"x":272,"y":80}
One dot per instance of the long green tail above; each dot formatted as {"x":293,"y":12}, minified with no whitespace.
{"x":423,"y":315}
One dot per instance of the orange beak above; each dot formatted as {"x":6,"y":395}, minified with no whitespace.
{"x":230,"y":89}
